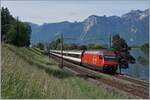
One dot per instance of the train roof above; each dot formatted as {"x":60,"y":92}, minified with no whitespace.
{"x":79,"y":52}
{"x":99,"y":51}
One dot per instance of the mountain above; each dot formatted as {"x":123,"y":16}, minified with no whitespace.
{"x":132,"y":26}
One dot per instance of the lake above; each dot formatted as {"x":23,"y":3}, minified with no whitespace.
{"x":141,"y":68}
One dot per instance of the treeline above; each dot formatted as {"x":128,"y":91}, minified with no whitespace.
{"x":56,"y":45}
{"x":14,"y":31}
{"x":145,"y":48}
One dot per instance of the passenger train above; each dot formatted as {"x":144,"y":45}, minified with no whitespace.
{"x":98,"y":60}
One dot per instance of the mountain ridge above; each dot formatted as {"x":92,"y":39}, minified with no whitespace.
{"x":132,"y":26}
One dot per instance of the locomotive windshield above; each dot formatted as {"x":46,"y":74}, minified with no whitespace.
{"x":109,"y":57}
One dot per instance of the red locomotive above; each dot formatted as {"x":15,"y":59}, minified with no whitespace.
{"x":99,"y":60}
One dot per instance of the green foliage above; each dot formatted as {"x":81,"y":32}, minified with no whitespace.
{"x":121,"y":49}
{"x":119,"y":44}
{"x":56,"y":45}
{"x":11,"y":35}
{"x":82,"y":47}
{"x":135,"y":46}
{"x":20,"y":38}
{"x":14,"y":31}
{"x":145,"y":48}
{"x":6,"y":21}
{"x":72,"y":46}
{"x":94,"y":46}
{"x":40,"y":46}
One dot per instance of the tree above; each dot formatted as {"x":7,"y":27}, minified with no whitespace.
{"x":94,"y":46}
{"x":82,"y":47}
{"x":90,"y":46}
{"x":14,"y":31}
{"x":40,"y":46}
{"x":98,"y":46}
{"x":6,"y":21}
{"x":28,"y":33}
{"x":73,"y":47}
{"x":55,"y":44}
{"x":145,"y":48}
{"x":11,"y":35}
{"x":121,"y":49}
{"x":19,"y":37}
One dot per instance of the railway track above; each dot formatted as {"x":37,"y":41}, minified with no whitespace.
{"x":121,"y":84}
{"x":131,"y":79}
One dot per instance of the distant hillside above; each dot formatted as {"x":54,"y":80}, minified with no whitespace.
{"x":133,"y":26}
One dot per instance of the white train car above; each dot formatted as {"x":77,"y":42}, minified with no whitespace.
{"x":68,"y":54}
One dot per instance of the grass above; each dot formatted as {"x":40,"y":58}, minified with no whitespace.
{"x":26,"y":73}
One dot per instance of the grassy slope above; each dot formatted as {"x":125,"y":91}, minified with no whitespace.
{"x":26,"y":73}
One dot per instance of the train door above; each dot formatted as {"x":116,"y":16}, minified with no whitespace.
{"x":94,"y":59}
{"x":101,"y":60}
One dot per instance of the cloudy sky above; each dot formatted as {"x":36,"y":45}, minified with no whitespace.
{"x":39,"y":12}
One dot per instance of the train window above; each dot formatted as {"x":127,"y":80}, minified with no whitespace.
{"x":109,"y":57}
{"x":73,"y":55}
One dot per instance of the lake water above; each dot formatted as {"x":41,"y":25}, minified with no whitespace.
{"x":138,"y":69}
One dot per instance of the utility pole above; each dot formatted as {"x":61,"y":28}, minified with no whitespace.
{"x":110,"y":41}
{"x":61,"y":51}
{"x":49,"y":54}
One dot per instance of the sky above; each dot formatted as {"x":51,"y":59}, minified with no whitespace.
{"x":50,"y":11}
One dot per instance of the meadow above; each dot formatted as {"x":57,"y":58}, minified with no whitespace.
{"x":27,"y":73}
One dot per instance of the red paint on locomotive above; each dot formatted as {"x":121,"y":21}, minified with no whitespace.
{"x":99,"y":59}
